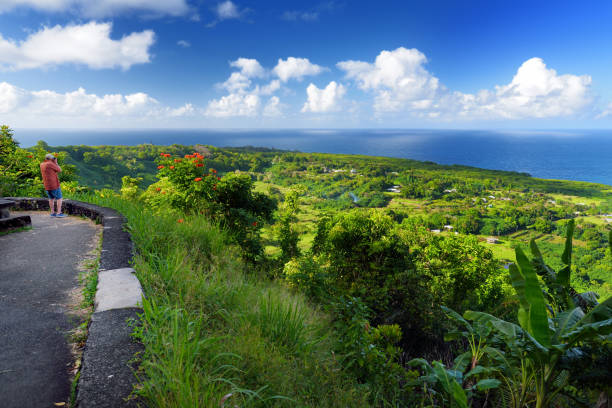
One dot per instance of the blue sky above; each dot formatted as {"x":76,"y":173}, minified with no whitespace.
{"x":296,"y":64}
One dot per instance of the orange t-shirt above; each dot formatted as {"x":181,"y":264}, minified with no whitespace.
{"x":49,"y":171}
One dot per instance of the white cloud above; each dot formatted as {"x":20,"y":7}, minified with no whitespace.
{"x":227,"y":10}
{"x":397,"y":78}
{"x":236,"y":82}
{"x":273,"y":108}
{"x":400,"y":83}
{"x":324,"y":100}
{"x":296,"y":68}
{"x":269,"y":88}
{"x":101,"y":8}
{"x":88,"y":44}
{"x":605,"y":113}
{"x":79,"y":102}
{"x":10,"y":97}
{"x":183,"y":43}
{"x":249,"y":67}
{"x":79,"y":107}
{"x":185,"y":110}
{"x":244,"y":98}
{"x":234,"y":104}
{"x":537,"y":91}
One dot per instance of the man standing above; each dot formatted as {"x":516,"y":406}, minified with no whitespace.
{"x":49,"y":169}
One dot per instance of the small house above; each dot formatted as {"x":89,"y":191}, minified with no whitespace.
{"x":448,"y":227}
{"x":492,"y":240}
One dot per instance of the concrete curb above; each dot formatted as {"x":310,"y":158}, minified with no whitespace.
{"x":106,"y":377}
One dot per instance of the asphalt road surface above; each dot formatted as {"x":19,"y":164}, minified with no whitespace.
{"x":38,"y":277}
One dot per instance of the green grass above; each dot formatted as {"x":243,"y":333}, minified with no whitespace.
{"x":593,"y":219}
{"x":576,"y":199}
{"x":211,"y":329}
{"x":14,"y":230}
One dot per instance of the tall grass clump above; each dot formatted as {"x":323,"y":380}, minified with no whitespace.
{"x":215,"y":334}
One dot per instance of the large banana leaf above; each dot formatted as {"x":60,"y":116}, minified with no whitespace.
{"x":602,"y":311}
{"x":589,"y":330}
{"x":549,"y":275}
{"x":510,"y":332}
{"x":563,"y":276}
{"x":532,"y":316}
{"x":450,"y":385}
{"x":565,"y":321}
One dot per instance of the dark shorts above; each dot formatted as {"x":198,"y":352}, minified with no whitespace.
{"x":54,"y":194}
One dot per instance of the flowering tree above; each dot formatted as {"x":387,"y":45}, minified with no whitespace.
{"x":185,"y":184}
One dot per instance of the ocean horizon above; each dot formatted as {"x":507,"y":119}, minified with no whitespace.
{"x":582,"y":155}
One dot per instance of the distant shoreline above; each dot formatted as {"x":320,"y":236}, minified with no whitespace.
{"x":579,"y":155}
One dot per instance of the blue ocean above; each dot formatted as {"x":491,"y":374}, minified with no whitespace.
{"x":584,"y":155}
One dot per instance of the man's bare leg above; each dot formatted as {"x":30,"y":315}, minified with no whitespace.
{"x":51,"y":202}
{"x":59,"y":205}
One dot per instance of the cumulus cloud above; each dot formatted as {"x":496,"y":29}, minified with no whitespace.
{"x":79,"y":106}
{"x":269,"y":88}
{"x":185,"y":110}
{"x":227,"y":10}
{"x":88,"y":44}
{"x":324,"y":100}
{"x":249,"y":67}
{"x":397,"y":78}
{"x":539,"y":92}
{"x":273,"y":108}
{"x":101,"y":8}
{"x":246,"y":97}
{"x":400,"y":83}
{"x":296,"y":68}
{"x":234,"y":104}
{"x":10,"y":97}
{"x":183,"y":43}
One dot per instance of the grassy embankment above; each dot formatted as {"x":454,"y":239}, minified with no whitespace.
{"x":211,"y":329}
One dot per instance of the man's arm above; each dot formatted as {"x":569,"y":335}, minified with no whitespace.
{"x":59,"y":169}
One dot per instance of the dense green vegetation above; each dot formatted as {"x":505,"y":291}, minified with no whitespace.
{"x":295,"y":279}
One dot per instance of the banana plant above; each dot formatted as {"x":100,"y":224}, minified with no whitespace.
{"x":456,"y":386}
{"x":553,"y":328}
{"x":449,"y":387}
{"x":546,"y":333}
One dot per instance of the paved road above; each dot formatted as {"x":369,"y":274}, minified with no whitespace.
{"x":38,"y":274}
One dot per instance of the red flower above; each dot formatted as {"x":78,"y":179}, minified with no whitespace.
{"x":215,"y":187}
{"x":199,"y":165}
{"x":158,"y":189}
{"x":163,"y":192}
{"x":160,"y":167}
{"x":254,"y":223}
{"x":30,"y":156}
{"x":167,"y":155}
{"x":163,"y":154}
{"x":180,"y":220}
{"x":177,"y":160}
{"x":172,"y":167}
{"x":213,"y":170}
{"x":197,"y":179}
